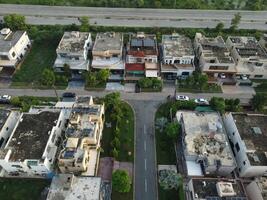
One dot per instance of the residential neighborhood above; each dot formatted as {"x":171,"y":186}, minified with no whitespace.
{"x":132,"y":112}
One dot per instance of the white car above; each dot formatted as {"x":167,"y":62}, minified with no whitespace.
{"x":182,"y":98}
{"x":222,"y":75}
{"x":244,"y":77}
{"x":202,"y":101}
{"x":6,"y":97}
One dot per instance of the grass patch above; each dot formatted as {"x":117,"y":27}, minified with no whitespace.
{"x":21,"y":189}
{"x":168,"y":194}
{"x":126,"y":135}
{"x":41,"y":56}
{"x":262,"y":85}
{"x":122,"y":196}
{"x":210,"y":88}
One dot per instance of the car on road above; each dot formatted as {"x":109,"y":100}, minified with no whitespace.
{"x":201,"y":101}
{"x":5,"y":99}
{"x":68,"y":95}
{"x":182,"y":98}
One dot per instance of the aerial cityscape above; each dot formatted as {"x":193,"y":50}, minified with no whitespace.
{"x":133,"y":100}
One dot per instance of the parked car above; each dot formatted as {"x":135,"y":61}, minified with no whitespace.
{"x":201,"y":101}
{"x":182,"y":98}
{"x":222,"y":75}
{"x":68,"y":95}
{"x":5,"y":99}
{"x":244,"y":77}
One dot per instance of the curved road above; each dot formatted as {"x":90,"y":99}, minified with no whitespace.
{"x":36,"y":14}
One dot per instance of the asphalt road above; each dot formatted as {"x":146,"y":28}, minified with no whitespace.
{"x":135,"y":17}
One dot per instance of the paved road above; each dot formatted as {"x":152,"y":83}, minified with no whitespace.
{"x":145,"y":183}
{"x":135,"y":17}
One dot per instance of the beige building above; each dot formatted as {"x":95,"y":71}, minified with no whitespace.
{"x":13,"y":47}
{"x":83,"y":135}
{"x":249,"y":56}
{"x":214,"y":57}
{"x":107,"y":54}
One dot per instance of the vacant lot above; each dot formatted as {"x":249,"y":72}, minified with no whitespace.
{"x":22,"y":189}
{"x":41,"y":56}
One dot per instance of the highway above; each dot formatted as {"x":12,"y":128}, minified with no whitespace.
{"x":133,"y":17}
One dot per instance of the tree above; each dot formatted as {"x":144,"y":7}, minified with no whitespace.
{"x":67,"y":70}
{"x":84,"y":24}
{"x":102,"y":75}
{"x":202,"y":81}
{"x":140,"y":3}
{"x":115,"y":143}
{"x":121,"y":181}
{"x":218,"y":104}
{"x":115,"y":153}
{"x":169,"y":179}
{"x":48,"y":77}
{"x":172,"y":129}
{"x":235,"y":21}
{"x":111,"y":100}
{"x":15,"y":21}
{"x":90,"y":79}
{"x":258,"y":101}
{"x":15,"y":101}
{"x":219,"y":27}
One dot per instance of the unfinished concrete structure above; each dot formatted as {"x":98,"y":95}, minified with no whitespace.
{"x":205,"y":142}
{"x":178,"y":56}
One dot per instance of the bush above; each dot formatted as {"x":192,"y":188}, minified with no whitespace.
{"x":150,"y":83}
{"x":218,"y":104}
{"x":258,"y":101}
{"x":172,"y":130}
{"x":121,"y":181}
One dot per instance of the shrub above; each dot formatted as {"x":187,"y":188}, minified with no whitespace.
{"x":121,"y":181}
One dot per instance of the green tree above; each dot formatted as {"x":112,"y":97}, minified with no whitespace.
{"x":48,"y":77}
{"x":102,"y":75}
{"x":172,"y":130}
{"x":140,"y":3}
{"x":116,"y":143}
{"x":67,"y":70}
{"x":169,"y":179}
{"x":111,"y":100}
{"x":218,"y":104}
{"x":15,"y":22}
{"x":121,"y":181}
{"x":258,"y":101}
{"x":15,"y":101}
{"x":84,"y":24}
{"x":219,"y":28}
{"x":235,"y":21}
{"x":203,"y":81}
{"x":115,"y":153}
{"x":90,"y":79}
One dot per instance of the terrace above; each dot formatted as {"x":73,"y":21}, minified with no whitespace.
{"x":253,"y":131}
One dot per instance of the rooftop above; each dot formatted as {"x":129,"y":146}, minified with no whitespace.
{"x":73,"y":41}
{"x":3,"y":117}
{"x":70,"y":187}
{"x":206,"y":137}
{"x":215,"y":189}
{"x":214,"y":48}
{"x":176,"y":45}
{"x":253,"y":131}
{"x":31,"y":135}
{"x":7,"y":41}
{"x":108,"y":41}
{"x":248,"y":46}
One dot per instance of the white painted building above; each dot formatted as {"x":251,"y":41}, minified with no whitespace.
{"x":214,"y":58}
{"x":178,"y":56}
{"x":73,"y":51}
{"x":249,"y":56}
{"x":32,"y":146}
{"x":247,"y":136}
{"x":13,"y":47}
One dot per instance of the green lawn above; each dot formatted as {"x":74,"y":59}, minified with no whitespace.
{"x":262,"y":88}
{"x":211,"y":88}
{"x":41,"y":56}
{"x":22,"y":189}
{"x":122,"y":196}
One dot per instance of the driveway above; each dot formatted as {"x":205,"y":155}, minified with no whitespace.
{"x":232,"y":89}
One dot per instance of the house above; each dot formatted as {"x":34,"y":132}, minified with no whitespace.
{"x":80,"y":153}
{"x":32,"y":147}
{"x":257,"y":189}
{"x":14,"y":46}
{"x":205,"y":144}
{"x":107,"y":54}
{"x":247,"y":135}
{"x":142,"y":57}
{"x":70,"y":187}
{"x":214,"y":189}
{"x":249,"y":56}
{"x":177,"y":56}
{"x":72,"y":51}
{"x":8,"y":121}
{"x":214,"y":59}
{"x":263,"y":41}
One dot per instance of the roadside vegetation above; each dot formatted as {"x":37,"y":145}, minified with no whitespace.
{"x":188,"y":4}
{"x":97,"y":79}
{"x":150,"y":84}
{"x":20,"y":189}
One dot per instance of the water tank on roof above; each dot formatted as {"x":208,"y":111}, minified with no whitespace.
{"x":5,"y":31}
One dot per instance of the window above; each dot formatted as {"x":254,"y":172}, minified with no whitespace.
{"x":13,"y":54}
{"x":17,"y":166}
{"x":4,"y":57}
{"x":239,"y":169}
{"x":258,"y":76}
{"x":237,"y":147}
{"x":2,"y":141}
{"x":233,"y":133}
{"x":244,"y":162}
{"x":59,"y":123}
{"x":177,"y":62}
{"x":218,"y":67}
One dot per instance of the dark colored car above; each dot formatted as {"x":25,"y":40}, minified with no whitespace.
{"x":68,"y":95}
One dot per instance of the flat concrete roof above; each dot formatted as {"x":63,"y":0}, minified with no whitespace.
{"x":108,"y":41}
{"x":10,"y":40}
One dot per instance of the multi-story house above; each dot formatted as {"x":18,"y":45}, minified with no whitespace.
{"x":214,"y":58}
{"x":177,"y":56}
{"x":247,"y":137}
{"x":108,"y":54}
{"x":72,"y":52}
{"x":32,"y":147}
{"x":13,"y":47}
{"x":142,"y":57}
{"x":249,"y":56}
{"x":80,"y":153}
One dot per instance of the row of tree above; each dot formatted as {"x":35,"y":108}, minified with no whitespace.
{"x":97,"y":78}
